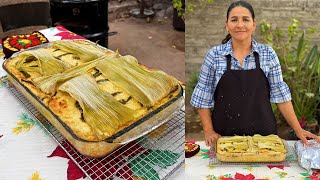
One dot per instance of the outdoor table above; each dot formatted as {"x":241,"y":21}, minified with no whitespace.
{"x":27,"y":151}
{"x":204,"y":166}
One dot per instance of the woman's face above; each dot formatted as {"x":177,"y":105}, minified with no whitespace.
{"x":240,"y":24}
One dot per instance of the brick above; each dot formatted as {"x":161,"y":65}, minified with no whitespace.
{"x":276,"y":13}
{"x":302,"y":14}
{"x":189,"y":22}
{"x":194,"y":60}
{"x":261,"y":4}
{"x":192,"y":67}
{"x":300,"y":3}
{"x":283,"y":3}
{"x":313,"y":3}
{"x":198,"y":40}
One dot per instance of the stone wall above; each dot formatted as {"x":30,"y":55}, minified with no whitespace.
{"x":205,"y":27}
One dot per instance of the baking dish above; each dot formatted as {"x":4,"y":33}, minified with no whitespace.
{"x":139,"y":128}
{"x":250,"y":154}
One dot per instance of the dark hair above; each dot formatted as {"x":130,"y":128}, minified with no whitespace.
{"x":240,"y":3}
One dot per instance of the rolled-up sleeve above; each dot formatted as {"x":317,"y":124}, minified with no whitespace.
{"x":279,"y":90}
{"x":202,"y":96}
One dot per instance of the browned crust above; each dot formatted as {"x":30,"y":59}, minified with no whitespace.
{"x":62,"y":103}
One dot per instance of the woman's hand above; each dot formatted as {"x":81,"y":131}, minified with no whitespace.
{"x":287,"y":111}
{"x":209,"y":134}
{"x":303,"y":135}
{"x":211,"y":137}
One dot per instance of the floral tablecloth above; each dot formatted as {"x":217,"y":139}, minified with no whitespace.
{"x":26,"y":150}
{"x":200,"y":167}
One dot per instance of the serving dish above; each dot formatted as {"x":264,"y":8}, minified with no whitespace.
{"x":159,"y":115}
{"x":251,"y":149}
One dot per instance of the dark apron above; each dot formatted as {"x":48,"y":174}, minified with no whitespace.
{"x":242,"y":103}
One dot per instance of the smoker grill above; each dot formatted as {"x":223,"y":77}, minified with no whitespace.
{"x":87,"y":18}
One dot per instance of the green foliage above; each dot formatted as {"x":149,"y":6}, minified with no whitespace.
{"x":191,"y":83}
{"x":293,"y":29}
{"x":300,"y":65}
{"x":177,"y":4}
{"x":191,"y":6}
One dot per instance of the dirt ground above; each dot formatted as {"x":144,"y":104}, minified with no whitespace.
{"x":156,"y":44}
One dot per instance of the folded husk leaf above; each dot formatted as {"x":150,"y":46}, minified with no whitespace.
{"x":84,"y":51}
{"x":46,"y":63}
{"x":101,"y":111}
{"x":146,"y":86}
{"x":49,"y":84}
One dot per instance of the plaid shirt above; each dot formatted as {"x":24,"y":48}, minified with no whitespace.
{"x":215,"y":64}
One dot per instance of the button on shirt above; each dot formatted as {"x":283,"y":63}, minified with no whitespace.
{"x":215,"y":64}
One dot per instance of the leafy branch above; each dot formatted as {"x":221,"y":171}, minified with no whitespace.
{"x":190,"y":7}
{"x":300,"y":64}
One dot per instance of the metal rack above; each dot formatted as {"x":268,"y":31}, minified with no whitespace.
{"x":165,"y":143}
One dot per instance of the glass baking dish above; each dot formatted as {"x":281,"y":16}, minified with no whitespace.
{"x":139,"y":128}
{"x":250,"y":157}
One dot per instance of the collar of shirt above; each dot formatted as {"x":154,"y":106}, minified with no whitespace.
{"x":228,"y":47}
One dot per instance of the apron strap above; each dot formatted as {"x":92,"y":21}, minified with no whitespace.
{"x":228,"y":62}
{"x":256,"y":58}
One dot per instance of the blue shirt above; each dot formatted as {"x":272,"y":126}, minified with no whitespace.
{"x":215,"y":64}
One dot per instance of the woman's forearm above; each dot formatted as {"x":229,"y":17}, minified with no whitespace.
{"x":287,"y":112}
{"x":205,"y":116}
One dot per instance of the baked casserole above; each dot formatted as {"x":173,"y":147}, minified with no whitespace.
{"x":95,"y":97}
{"x":255,"y":148}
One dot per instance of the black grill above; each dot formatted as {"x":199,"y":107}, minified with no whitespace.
{"x":88,"y":18}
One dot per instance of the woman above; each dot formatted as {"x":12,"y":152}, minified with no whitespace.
{"x":240,"y":78}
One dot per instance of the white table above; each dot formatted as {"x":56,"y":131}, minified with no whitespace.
{"x":197,"y":167}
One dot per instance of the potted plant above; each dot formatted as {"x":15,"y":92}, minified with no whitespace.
{"x":300,"y":63}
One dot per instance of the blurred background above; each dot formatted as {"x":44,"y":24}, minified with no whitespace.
{"x":291,"y":27}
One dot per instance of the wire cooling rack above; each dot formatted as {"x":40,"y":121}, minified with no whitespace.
{"x":154,"y":156}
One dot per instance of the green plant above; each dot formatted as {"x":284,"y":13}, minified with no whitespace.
{"x":191,"y":6}
{"x":300,"y":65}
{"x":191,"y":83}
{"x":179,"y":5}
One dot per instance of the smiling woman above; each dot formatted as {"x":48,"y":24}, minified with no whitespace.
{"x":240,"y":25}
{"x":240,"y":79}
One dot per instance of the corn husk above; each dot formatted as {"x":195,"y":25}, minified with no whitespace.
{"x":270,"y":142}
{"x":46,"y":64}
{"x":146,"y":86}
{"x":235,"y":146}
{"x":101,"y":111}
{"x":49,"y":84}
{"x":252,"y":144}
{"x":270,"y":138}
{"x":84,"y":51}
{"x":234,"y":139}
